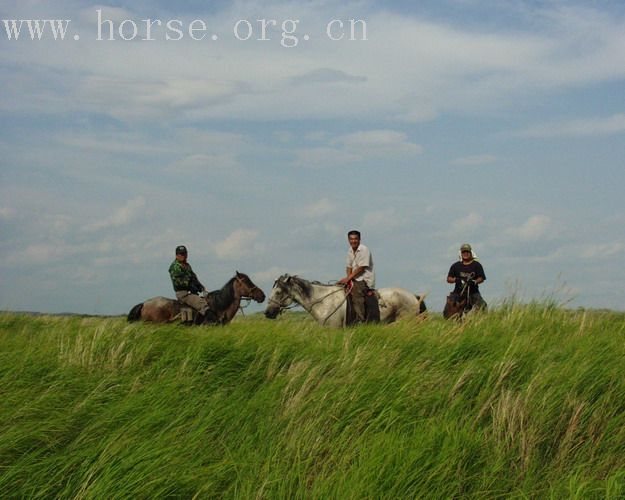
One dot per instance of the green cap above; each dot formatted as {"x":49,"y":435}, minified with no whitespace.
{"x":465,"y":248}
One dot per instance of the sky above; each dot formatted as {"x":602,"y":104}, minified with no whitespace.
{"x":500,"y":124}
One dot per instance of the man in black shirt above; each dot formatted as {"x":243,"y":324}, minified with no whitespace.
{"x":467,"y":272}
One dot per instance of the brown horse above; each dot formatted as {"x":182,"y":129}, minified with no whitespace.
{"x":457,"y":306}
{"x":224,"y":303}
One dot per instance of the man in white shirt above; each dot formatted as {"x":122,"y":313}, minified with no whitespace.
{"x":360,"y":272}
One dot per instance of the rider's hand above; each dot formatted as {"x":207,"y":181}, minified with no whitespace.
{"x":344,"y":281}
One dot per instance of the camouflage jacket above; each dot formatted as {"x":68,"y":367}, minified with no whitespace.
{"x":183,"y":277}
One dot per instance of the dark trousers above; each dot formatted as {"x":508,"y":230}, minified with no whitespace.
{"x":359,"y":291}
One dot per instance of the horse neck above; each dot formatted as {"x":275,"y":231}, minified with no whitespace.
{"x":226,"y":296}
{"x":226,"y":301}
{"x":322,"y":301}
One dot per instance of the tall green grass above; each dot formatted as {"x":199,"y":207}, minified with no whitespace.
{"x":526,"y":401}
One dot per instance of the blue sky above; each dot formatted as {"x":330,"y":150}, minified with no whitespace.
{"x":495,"y":123}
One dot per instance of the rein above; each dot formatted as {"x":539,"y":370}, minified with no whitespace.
{"x":247,"y":297}
{"x":467,"y":298}
{"x":347,"y":293}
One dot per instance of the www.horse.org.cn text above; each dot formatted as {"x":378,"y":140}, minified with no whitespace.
{"x":287,"y":32}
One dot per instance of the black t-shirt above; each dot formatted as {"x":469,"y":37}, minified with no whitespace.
{"x":473,"y":270}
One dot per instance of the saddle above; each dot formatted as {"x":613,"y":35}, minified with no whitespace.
{"x":188,"y":315}
{"x":372,"y":308}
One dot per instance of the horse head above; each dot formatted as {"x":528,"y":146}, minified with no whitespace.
{"x":280,"y":297}
{"x":454,"y":308}
{"x":247,"y":289}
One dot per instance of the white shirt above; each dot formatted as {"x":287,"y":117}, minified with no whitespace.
{"x":362,"y":257}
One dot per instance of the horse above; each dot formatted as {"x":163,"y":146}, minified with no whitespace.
{"x":456,"y":306}
{"x":328,"y":303}
{"x":224,"y":303}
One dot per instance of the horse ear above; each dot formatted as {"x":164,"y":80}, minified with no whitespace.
{"x":238,"y":273}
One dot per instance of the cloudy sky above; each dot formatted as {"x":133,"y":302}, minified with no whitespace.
{"x":501,"y":124}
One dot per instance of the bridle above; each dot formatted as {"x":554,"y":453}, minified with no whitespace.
{"x":246,"y":297}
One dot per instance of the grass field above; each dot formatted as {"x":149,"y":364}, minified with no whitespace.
{"x":527,"y":401}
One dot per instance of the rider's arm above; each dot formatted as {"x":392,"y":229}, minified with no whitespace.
{"x":351,"y":274}
{"x":452,"y":275}
{"x":197,"y":283}
{"x":356,"y":272}
{"x":179,"y":277}
{"x":480,"y":277}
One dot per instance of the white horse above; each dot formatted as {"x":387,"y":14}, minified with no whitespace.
{"x":328,"y":303}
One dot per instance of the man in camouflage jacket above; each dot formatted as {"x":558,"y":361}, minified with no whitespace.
{"x":186,"y":284}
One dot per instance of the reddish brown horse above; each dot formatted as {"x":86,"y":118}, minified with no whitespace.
{"x":224,"y":303}
{"x":457,"y":305}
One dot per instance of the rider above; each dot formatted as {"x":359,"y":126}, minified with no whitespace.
{"x":467,"y":270}
{"x":360,"y":272}
{"x":186,"y":284}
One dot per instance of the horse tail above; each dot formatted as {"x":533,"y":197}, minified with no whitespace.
{"x":422,"y":306}
{"x":135,"y":313}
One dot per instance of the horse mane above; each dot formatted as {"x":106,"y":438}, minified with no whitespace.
{"x":305,"y":286}
{"x":221,"y":299}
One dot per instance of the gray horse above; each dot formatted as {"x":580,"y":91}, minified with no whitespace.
{"x":328,"y":303}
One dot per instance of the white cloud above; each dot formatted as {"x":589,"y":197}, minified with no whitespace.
{"x":205,"y":162}
{"x":384,"y":219}
{"x":614,"y":124}
{"x":377,"y":142}
{"x":459,"y":69}
{"x":326,"y":76}
{"x":111,"y":143}
{"x":41,"y":253}
{"x":284,"y":136}
{"x":475,"y":160}
{"x":128,"y":99}
{"x":316,"y":136}
{"x":602,"y":250}
{"x":358,"y":146}
{"x":6,"y":213}
{"x":239,"y":243}
{"x":469,"y":222}
{"x":270,"y":274}
{"x":121,"y":217}
{"x":532,"y":229}
{"x":181,"y":139}
{"x":320,"y":208}
{"x":324,"y":157}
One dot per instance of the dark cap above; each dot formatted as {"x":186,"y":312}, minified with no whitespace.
{"x":465,"y":248}
{"x":181,"y":250}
